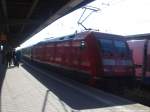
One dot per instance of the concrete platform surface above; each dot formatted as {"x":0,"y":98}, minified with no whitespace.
{"x":22,"y":92}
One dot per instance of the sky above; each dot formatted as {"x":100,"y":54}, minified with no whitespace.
{"x":122,"y":17}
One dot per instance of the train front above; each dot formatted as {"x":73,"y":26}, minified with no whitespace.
{"x":116,"y":60}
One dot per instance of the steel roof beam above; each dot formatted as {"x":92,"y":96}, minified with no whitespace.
{"x":61,"y":12}
{"x":30,"y":12}
{"x":4,"y":7}
{"x":19,"y":22}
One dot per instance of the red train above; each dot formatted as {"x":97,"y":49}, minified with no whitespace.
{"x":97,"y":55}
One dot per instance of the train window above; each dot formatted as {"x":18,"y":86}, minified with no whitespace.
{"x":62,"y":38}
{"x":106,"y":45}
{"x":70,"y":37}
{"x":120,"y":46}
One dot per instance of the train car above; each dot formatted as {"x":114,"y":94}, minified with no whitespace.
{"x":96,"y":55}
{"x":141,"y":58}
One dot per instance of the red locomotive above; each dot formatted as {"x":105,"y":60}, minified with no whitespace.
{"x":98,"y":55}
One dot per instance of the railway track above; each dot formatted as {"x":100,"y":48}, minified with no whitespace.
{"x":92,"y":94}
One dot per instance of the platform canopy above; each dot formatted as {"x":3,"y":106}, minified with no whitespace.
{"x":21,"y":19}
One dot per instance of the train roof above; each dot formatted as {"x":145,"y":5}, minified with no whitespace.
{"x":138,"y":36}
{"x":107,"y":35}
{"x":81,"y":35}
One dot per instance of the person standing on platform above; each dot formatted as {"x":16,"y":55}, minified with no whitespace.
{"x":16,"y":58}
{"x":9,"y":58}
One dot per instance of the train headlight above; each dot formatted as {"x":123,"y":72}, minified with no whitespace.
{"x":82,"y":44}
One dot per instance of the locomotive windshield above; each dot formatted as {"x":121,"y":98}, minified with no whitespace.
{"x":110,"y":46}
{"x":120,"y":46}
{"x":106,"y":45}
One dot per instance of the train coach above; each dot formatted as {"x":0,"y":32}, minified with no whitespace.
{"x":96,"y":55}
{"x":140,"y":47}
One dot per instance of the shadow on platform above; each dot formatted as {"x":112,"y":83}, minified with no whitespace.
{"x":73,"y":98}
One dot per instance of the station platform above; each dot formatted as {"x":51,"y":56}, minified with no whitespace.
{"x":21,"y":91}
